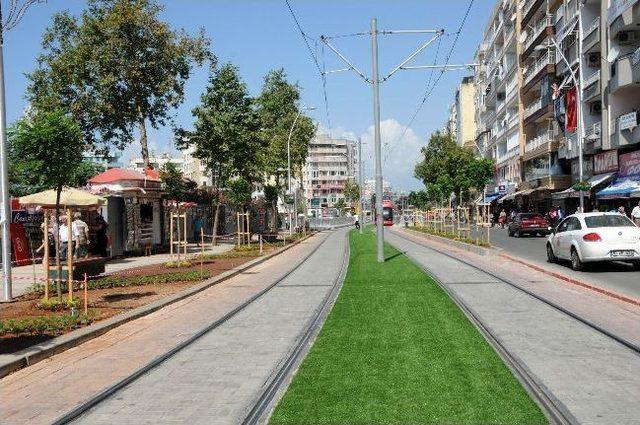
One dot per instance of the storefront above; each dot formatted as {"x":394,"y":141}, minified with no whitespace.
{"x":625,"y":189}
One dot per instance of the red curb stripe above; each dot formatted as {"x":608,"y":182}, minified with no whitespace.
{"x":594,"y":288}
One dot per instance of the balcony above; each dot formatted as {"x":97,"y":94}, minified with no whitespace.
{"x":511,"y":153}
{"x":591,"y":36}
{"x":529,"y":7}
{"x":542,"y":29}
{"x":546,"y":63}
{"x":624,"y":132}
{"x":569,"y":147}
{"x":625,"y":73}
{"x":591,"y":89}
{"x":537,"y":110}
{"x":542,"y":144}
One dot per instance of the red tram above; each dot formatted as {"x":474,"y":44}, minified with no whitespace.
{"x":387,"y":212}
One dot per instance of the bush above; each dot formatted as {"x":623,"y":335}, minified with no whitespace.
{"x":178,"y":264}
{"x":451,"y":236}
{"x":42,"y":324}
{"x":54,"y":304}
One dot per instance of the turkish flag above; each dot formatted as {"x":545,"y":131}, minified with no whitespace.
{"x":572,"y":110}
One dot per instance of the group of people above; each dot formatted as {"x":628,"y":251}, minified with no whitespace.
{"x":80,"y":237}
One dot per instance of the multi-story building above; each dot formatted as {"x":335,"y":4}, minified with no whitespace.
{"x":451,"y":126}
{"x":330,"y":164}
{"x":194,"y":170}
{"x":156,"y":162}
{"x":465,"y":133}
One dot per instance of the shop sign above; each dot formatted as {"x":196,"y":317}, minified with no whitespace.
{"x":628,"y":121}
{"x":618,"y":7}
{"x":587,"y":168}
{"x":605,"y":162}
{"x":630,"y":164}
{"x":502,"y":189}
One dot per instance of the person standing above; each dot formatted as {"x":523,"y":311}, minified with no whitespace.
{"x":80,"y":232}
{"x":197,"y":228}
{"x":635,"y":214}
{"x":621,"y":210}
{"x":63,"y":237}
{"x":101,"y":236}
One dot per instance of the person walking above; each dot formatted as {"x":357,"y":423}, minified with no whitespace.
{"x":635,"y":214}
{"x":198,"y":224}
{"x":502,"y":218}
{"x":80,"y":232}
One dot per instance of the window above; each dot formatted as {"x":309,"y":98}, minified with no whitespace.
{"x":608,"y":220}
{"x":573,"y":224}
{"x":562,"y":227}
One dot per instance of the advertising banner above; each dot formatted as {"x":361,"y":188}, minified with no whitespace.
{"x":630,"y":164}
{"x":605,"y":162}
{"x":21,"y":254}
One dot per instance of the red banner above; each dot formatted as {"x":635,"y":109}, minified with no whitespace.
{"x":572,"y":110}
{"x":630,"y":164}
{"x":21,"y":254}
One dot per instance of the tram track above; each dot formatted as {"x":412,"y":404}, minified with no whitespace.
{"x":114,"y":389}
{"x":555,"y":410}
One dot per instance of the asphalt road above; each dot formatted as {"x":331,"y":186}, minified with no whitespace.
{"x":619,"y":277}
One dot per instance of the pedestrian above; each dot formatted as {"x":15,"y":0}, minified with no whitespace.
{"x":635,"y":214}
{"x":80,"y":232}
{"x":502,"y":218}
{"x":553,"y":215}
{"x":561,"y":213}
{"x":63,"y":237}
{"x":101,"y":236}
{"x":198,"y":224}
{"x":356,"y":222}
{"x":621,"y":210}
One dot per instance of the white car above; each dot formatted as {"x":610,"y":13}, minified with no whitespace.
{"x":592,"y":237}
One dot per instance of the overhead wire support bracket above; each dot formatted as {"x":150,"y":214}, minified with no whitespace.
{"x":386,"y":32}
{"x":424,"y":45}
{"x":336,"y":70}
{"x":443,"y":68}
{"x":344,"y":59}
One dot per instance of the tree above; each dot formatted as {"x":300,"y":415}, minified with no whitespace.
{"x":351,"y":191}
{"x":238,"y":192}
{"x":49,"y":145}
{"x":225,"y":135}
{"x":175,"y":185}
{"x":340,"y":205}
{"x":448,"y":168}
{"x":277,"y":110}
{"x":271,"y":197}
{"x":115,"y":68}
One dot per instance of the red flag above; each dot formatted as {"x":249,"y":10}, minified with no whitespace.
{"x":572,"y":110}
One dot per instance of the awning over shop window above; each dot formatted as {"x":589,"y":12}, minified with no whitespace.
{"x":594,"y":181}
{"x":488,"y":198}
{"x":622,"y":187}
{"x":512,"y":196}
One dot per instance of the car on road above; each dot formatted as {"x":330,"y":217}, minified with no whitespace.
{"x":528,"y":224}
{"x":595,"y":237}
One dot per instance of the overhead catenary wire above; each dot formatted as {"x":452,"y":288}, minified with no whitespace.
{"x":306,"y":38}
{"x":429,"y":89}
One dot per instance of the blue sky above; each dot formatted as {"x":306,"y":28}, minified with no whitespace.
{"x":258,"y":35}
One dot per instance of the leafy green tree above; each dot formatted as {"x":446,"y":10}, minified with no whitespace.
{"x":238,"y":193}
{"x":271,"y":197}
{"x":340,"y":205}
{"x":351,"y":191}
{"x":48,"y":145}
{"x":115,"y":68}
{"x":277,"y":110}
{"x":448,"y":168}
{"x":225,"y":134}
{"x":176,"y":186}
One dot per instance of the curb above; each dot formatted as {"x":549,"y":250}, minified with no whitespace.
{"x":461,"y":245}
{"x":32,"y":355}
{"x":576,"y":282}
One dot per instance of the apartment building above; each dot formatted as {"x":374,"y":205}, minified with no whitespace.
{"x":156,"y":162}
{"x":330,"y":164}
{"x":461,"y":123}
{"x":194,"y":170}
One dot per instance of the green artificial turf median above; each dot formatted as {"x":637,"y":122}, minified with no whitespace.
{"x":396,"y":349}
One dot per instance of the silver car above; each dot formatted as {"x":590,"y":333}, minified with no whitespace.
{"x":593,"y":237}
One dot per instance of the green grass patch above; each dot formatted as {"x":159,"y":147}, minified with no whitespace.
{"x":449,"y":235}
{"x":42,"y":324}
{"x":396,"y":349}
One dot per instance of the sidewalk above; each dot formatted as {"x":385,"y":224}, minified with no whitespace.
{"x":594,"y":378}
{"x":23,"y":276}
{"x":216,"y":378}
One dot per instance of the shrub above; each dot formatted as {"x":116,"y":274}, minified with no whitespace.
{"x":451,"y":236}
{"x":42,"y":324}
{"x":54,"y":304}
{"x":178,"y":264}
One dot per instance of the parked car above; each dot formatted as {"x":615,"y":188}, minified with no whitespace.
{"x":593,"y":237}
{"x":528,"y":224}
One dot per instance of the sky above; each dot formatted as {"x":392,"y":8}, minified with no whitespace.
{"x":259,"y":35}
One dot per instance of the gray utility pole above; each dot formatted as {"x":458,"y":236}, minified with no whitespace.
{"x":5,"y":207}
{"x":375,"y":82}
{"x":360,"y":184}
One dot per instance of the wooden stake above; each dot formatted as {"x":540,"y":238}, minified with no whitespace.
{"x":86,"y":306}
{"x":260,"y":243}
{"x":171,"y":235}
{"x":45,"y":260}
{"x":201,"y":253}
{"x":184,"y":217}
{"x":248,"y":230}
{"x":69,"y":254}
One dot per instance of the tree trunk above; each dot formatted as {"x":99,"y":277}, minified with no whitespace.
{"x":143,"y":140}
{"x":216,"y":218}
{"x":58,"y":243}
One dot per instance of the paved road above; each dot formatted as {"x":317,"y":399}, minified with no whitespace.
{"x":619,"y":277}
{"x":595,"y":379}
{"x":215,"y":380}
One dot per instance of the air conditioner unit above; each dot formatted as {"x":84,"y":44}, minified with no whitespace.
{"x":595,"y":108}
{"x":626,"y":37}
{"x":594,"y":60}
{"x":501,"y":96}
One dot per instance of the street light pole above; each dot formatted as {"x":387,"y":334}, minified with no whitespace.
{"x":5,"y":207}
{"x":375,"y":82}
{"x":310,"y":108}
{"x":360,"y":179}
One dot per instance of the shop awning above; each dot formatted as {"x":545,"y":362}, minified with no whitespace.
{"x":488,"y":198}
{"x":593,"y":181}
{"x":622,"y":187}
{"x":69,"y":197}
{"x":512,"y":196}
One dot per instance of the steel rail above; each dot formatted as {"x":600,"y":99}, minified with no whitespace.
{"x":110,"y":391}
{"x":264,"y":404}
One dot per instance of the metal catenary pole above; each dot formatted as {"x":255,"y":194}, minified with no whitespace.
{"x":5,"y":207}
{"x":580,"y":130}
{"x":375,"y":80}
{"x":360,"y":180}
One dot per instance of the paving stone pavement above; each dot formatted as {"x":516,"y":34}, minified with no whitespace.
{"x":41,"y":393}
{"x":596,"y":379}
{"x":216,"y":379}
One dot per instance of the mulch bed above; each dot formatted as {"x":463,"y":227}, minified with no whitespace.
{"x":105,"y":303}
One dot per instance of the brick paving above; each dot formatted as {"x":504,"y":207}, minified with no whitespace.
{"x":41,"y":393}
{"x":595,"y":379}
